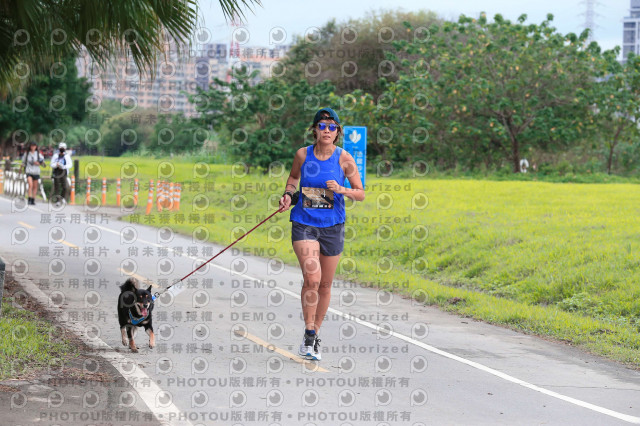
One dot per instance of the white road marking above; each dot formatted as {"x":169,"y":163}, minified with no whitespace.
{"x":167,"y":414}
{"x":476,"y":365}
{"x":118,"y":361}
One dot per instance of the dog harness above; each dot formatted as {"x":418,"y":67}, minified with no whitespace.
{"x":136,"y":321}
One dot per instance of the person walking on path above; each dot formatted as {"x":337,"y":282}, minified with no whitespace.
{"x":317,"y":218}
{"x":60,"y":166}
{"x":32,"y":160}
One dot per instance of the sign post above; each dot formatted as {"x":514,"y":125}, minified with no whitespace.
{"x":355,"y":143}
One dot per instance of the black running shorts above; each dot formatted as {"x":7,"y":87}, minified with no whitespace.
{"x":331,"y":239}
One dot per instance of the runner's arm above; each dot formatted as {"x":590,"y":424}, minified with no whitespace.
{"x":293,"y":179}
{"x":356,"y":192}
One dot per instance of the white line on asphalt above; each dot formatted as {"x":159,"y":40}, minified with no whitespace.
{"x":476,"y":365}
{"x":147,"y":394}
{"x":166,"y":414}
{"x":30,"y":207}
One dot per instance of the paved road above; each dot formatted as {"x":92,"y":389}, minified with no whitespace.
{"x":226,"y":344}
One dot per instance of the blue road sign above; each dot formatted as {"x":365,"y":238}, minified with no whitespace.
{"x":355,"y":143}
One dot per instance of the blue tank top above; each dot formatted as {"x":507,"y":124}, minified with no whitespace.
{"x":313,"y":207}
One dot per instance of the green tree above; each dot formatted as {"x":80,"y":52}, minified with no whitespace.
{"x":178,"y":134}
{"x":498,"y":88}
{"x":352,"y":54}
{"x":617,"y":104}
{"x":7,"y":122}
{"x":127,"y":131}
{"x":50,"y":105}
{"x":85,"y":136}
{"x":267,"y":122}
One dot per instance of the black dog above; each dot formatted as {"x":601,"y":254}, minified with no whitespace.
{"x":134,"y":310}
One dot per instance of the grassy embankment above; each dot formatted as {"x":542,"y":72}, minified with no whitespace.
{"x":554,"y":259}
{"x":28,"y":344}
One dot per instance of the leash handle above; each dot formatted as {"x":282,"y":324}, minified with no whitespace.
{"x":157,"y":294}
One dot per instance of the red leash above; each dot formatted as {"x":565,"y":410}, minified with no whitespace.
{"x":219,"y":253}
{"x":223,"y":250}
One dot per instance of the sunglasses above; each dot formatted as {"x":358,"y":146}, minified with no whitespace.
{"x":332,"y":127}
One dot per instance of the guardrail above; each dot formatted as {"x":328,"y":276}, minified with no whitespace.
{"x":13,"y":183}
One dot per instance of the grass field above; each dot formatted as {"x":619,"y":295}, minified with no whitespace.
{"x":555,"y":259}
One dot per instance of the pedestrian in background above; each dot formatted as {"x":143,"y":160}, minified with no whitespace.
{"x":32,"y":160}
{"x":60,"y":166}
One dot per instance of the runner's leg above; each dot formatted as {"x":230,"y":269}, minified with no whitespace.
{"x":328,"y":265}
{"x":308,"y":252}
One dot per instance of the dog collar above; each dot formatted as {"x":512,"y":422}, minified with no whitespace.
{"x":136,"y":321}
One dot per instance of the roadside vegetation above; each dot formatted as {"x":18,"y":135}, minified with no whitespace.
{"x":29,"y":344}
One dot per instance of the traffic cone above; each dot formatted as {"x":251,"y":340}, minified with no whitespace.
{"x":150,"y":197}
{"x":159,"y":196}
{"x":176,"y":205}
{"x":172,"y":196}
{"x":135,"y":192}
{"x":118,"y":192}
{"x":72,"y":196}
{"x":104,"y":191}
{"x":88,"y":189}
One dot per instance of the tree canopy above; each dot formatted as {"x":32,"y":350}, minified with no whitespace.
{"x":481,"y":92}
{"x":266,"y":122}
{"x":36,"y":33}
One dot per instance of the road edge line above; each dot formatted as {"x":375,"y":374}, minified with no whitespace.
{"x":117,"y":360}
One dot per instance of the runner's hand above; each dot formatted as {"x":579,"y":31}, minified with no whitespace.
{"x":285,"y":203}
{"x":333,"y":185}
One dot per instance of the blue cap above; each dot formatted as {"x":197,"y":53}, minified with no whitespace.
{"x":326,"y":114}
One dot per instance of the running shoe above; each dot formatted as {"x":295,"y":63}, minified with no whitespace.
{"x":316,"y":355}
{"x":306,"y":348}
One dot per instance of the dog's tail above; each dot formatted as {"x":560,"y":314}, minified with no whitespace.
{"x":131,"y":284}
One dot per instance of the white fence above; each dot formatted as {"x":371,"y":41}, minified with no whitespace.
{"x":15,"y":184}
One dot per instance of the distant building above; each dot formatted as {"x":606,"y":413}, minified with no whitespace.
{"x":179,"y":72}
{"x":212,"y":61}
{"x":631,"y":31}
{"x":259,"y":58}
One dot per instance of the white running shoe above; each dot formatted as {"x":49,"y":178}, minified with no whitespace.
{"x":316,"y":355}
{"x":306,"y":348}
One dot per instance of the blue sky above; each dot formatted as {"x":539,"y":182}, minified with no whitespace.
{"x":296,"y":16}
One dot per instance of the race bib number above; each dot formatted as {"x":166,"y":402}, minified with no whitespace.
{"x":317,"y":198}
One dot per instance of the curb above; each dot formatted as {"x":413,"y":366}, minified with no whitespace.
{"x":128,"y":368}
